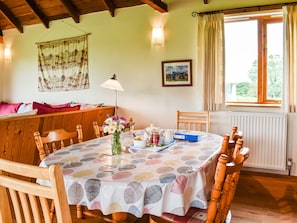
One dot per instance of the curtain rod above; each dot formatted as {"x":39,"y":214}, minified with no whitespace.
{"x":245,"y":9}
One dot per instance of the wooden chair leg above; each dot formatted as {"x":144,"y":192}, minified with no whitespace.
{"x":119,"y":216}
{"x":79,"y":212}
{"x":152,"y":220}
{"x":155,"y":220}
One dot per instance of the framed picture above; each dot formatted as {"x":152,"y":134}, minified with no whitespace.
{"x":177,"y":73}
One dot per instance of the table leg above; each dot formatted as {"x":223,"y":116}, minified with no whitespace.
{"x":120,"y":216}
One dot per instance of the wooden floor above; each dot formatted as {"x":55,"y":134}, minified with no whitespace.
{"x":260,"y":198}
{"x":265,"y":198}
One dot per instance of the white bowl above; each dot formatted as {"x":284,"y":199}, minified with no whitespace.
{"x":139,"y":143}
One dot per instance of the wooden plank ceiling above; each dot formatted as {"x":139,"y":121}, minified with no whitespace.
{"x":20,"y":13}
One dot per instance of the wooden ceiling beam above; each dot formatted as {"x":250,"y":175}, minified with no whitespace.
{"x":157,"y":5}
{"x":43,"y":18}
{"x":8,"y":14}
{"x":110,"y":6}
{"x":205,"y":1}
{"x":71,"y":10}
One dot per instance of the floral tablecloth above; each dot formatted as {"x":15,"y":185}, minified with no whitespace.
{"x":139,"y":181}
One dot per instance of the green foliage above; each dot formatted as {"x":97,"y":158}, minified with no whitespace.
{"x":275,"y":71}
{"x":247,"y":91}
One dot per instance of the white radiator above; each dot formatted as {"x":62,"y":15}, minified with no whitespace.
{"x":266,"y":136}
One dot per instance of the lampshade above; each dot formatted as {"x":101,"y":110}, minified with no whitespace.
{"x":112,"y":84}
{"x":158,"y":36}
{"x":7,"y":53}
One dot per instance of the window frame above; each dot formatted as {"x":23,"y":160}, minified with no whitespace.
{"x":262,"y":100}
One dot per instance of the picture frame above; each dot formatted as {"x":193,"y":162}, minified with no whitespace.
{"x":176,"y":73}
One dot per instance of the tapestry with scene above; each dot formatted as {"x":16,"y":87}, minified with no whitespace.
{"x":63,"y":64}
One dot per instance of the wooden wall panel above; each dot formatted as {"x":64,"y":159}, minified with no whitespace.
{"x":26,"y":146}
{"x":87,"y":124}
{"x":16,"y":134}
{"x":17,"y":142}
{"x":70,"y":121}
{"x":6,"y":130}
{"x":89,"y":117}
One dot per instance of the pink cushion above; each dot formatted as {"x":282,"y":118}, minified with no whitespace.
{"x":45,"y":109}
{"x":194,"y":215}
{"x":9,"y":108}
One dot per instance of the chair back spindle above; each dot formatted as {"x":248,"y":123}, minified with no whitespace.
{"x":225,"y":145}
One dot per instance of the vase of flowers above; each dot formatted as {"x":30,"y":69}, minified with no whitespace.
{"x":116,"y":146}
{"x":115,"y":126}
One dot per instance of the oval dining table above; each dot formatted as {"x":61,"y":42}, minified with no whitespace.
{"x":139,"y":181}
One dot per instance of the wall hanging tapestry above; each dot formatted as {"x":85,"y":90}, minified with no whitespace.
{"x":63,"y":64}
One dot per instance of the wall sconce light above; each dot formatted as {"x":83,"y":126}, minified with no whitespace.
{"x":7,"y":53}
{"x":158,"y":36}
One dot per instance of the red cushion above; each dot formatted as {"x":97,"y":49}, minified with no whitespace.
{"x":66,"y":105}
{"x":45,"y":109}
{"x":9,"y":108}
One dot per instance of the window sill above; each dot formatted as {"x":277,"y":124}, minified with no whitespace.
{"x":253,"y":105}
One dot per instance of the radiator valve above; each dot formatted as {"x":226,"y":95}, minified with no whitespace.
{"x":289,"y":165}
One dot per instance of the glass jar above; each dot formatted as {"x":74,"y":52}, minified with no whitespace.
{"x":116,"y":147}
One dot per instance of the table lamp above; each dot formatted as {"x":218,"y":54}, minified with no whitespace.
{"x":113,"y":84}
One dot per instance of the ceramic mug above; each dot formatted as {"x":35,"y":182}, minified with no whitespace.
{"x":168,"y":136}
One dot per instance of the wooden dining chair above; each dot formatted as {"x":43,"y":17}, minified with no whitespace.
{"x":235,"y":134}
{"x":26,"y":201}
{"x":225,"y":183}
{"x":98,"y":130}
{"x":53,"y":140}
{"x":198,"y":121}
{"x":130,"y":125}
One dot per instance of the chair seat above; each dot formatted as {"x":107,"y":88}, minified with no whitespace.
{"x":194,"y":215}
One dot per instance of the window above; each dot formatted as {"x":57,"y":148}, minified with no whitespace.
{"x":254,"y":60}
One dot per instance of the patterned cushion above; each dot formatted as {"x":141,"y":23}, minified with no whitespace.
{"x":85,"y":105}
{"x":194,"y":215}
{"x":25,"y":107}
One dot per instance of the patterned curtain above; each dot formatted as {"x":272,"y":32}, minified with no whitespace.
{"x":63,"y":64}
{"x":290,"y":58}
{"x":211,"y":59}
